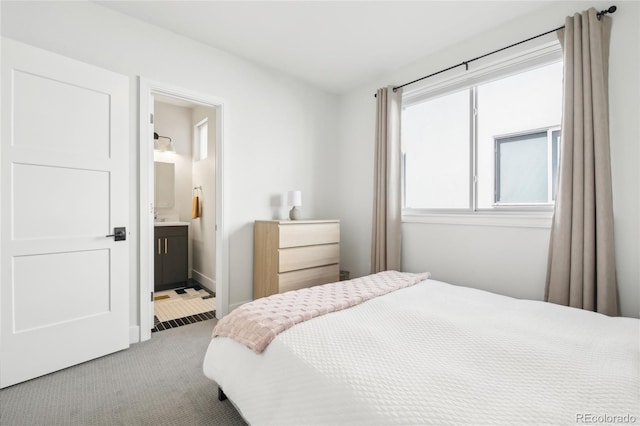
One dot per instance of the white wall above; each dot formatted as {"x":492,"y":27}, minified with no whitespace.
{"x":277,"y":129}
{"x":203,"y":229}
{"x":508,"y":260}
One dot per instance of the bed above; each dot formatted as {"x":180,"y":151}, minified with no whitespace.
{"x":433,"y":353}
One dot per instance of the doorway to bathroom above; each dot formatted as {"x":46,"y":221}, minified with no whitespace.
{"x":181,"y":208}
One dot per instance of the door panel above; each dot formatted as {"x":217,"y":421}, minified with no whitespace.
{"x":175,"y":261}
{"x":35,"y":121}
{"x":64,"y":163}
{"x":37,"y":186}
{"x":157,"y":265}
{"x":33,"y":292}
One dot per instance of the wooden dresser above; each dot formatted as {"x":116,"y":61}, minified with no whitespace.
{"x":289,"y":255}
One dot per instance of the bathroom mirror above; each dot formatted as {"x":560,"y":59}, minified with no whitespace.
{"x":164,"y":185}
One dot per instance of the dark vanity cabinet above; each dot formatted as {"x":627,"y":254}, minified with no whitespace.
{"x":171,"y":257}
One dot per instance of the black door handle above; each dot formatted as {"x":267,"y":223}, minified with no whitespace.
{"x":119,"y":234}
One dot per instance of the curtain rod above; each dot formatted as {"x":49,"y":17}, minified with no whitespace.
{"x":466,"y":63}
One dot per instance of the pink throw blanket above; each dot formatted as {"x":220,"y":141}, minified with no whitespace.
{"x":256,"y":324}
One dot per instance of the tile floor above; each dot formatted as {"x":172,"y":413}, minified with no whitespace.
{"x":182,"y":306}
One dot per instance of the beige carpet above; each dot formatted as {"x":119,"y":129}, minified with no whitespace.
{"x":154,"y":383}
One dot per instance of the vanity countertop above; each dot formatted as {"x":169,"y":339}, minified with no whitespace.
{"x":174,"y":223}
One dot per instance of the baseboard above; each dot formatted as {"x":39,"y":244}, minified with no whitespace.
{"x":235,"y":305}
{"x":134,"y":334}
{"x":204,"y":280}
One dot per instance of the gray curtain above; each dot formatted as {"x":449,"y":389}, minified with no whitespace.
{"x":581,"y":267}
{"x":386,"y":232}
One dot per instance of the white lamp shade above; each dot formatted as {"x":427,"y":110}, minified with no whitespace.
{"x":294,"y":198}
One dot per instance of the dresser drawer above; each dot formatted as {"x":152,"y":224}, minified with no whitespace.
{"x":295,"y":258}
{"x":289,"y":255}
{"x":293,"y":235}
{"x":308,"y":277}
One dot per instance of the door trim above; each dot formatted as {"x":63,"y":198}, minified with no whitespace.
{"x":149,"y":88}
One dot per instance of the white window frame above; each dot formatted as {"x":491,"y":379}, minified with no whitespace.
{"x":198,"y":143}
{"x":501,"y":215}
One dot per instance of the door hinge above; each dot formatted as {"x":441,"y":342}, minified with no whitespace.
{"x":151,"y":296}
{"x":150,"y":118}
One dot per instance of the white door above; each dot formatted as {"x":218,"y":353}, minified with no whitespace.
{"x":64,"y":165}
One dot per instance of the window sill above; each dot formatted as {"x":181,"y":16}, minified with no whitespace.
{"x":502,"y":219}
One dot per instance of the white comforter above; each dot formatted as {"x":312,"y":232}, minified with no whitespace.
{"x":437,"y":354}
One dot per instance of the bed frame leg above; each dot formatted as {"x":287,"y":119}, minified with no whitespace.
{"x":221,"y":395}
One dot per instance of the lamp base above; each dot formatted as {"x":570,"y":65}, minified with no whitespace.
{"x":295,"y":213}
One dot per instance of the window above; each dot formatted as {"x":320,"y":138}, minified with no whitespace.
{"x":201,"y":138}
{"x":488,"y":145}
{"x":435,"y":137}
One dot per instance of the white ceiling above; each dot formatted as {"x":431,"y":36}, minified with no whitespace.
{"x":335,"y":45}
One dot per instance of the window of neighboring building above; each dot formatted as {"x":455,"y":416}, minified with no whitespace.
{"x":526,"y":168}
{"x":487,"y":145}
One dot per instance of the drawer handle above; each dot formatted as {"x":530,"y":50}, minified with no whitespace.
{"x":165,"y":246}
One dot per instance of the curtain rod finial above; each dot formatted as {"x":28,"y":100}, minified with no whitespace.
{"x":605,"y":11}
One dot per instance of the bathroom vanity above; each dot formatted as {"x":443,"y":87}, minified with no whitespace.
{"x":171,"y":255}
